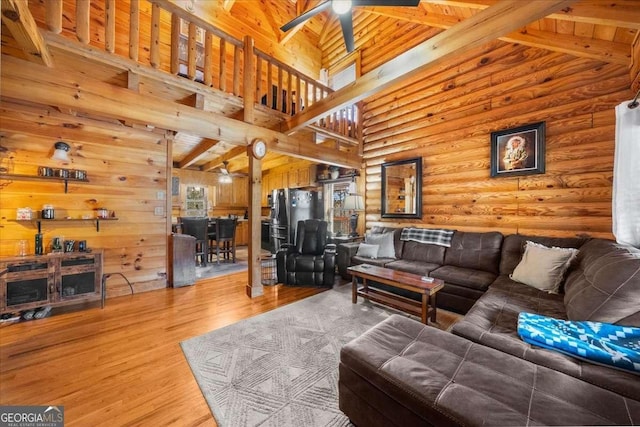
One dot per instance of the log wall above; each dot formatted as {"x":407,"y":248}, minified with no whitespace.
{"x":126,"y":169}
{"x":447,"y":114}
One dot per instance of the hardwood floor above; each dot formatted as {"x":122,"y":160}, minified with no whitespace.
{"x":122,"y":365}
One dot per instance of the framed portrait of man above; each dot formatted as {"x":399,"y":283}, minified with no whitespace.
{"x":518,"y":151}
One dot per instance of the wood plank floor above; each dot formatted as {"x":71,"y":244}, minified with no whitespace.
{"x":122,"y":365}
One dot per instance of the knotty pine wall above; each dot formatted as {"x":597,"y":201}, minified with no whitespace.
{"x":126,"y":169}
{"x":447,"y":114}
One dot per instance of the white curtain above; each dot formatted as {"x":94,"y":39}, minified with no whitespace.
{"x":626,"y":176}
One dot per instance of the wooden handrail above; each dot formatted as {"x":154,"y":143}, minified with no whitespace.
{"x":193,"y":56}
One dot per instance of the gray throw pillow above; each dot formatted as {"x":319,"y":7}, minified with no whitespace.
{"x":366,"y":250}
{"x":385,"y":241}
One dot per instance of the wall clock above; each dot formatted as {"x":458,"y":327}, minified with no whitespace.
{"x":259,"y":149}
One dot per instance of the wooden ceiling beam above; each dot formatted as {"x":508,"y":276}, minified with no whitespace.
{"x":292,"y":32}
{"x":218,"y":161}
{"x":228,"y":4}
{"x":598,"y":12}
{"x":489,"y":24}
{"x":20,"y":23}
{"x":30,"y":82}
{"x":199,"y":151}
{"x":583,"y":47}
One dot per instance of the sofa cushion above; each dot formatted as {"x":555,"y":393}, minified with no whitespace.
{"x":513,"y":248}
{"x":543,"y":267}
{"x":605,"y":287}
{"x":380,"y":262}
{"x":477,"y":251}
{"x":420,"y":268}
{"x":384,"y":241}
{"x":441,"y":379}
{"x":472,"y":278}
{"x":398,"y":244}
{"x":366,"y":250}
{"x":493,"y":321}
{"x":423,"y":252}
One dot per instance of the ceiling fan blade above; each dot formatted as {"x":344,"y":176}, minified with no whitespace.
{"x":306,"y":15}
{"x":346,"y":22}
{"x":397,"y":3}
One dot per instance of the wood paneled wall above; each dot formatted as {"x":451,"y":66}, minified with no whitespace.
{"x":447,"y":114}
{"x":126,"y":170}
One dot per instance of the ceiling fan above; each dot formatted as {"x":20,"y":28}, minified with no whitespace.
{"x":225,"y":178}
{"x":343,"y":9}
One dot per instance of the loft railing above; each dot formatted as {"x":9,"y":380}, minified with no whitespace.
{"x":198,"y":51}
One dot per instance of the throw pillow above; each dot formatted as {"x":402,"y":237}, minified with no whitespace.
{"x":367,"y":251}
{"x":385,"y":241}
{"x":543,"y":267}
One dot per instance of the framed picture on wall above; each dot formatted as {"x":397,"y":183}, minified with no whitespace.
{"x":518,"y":151}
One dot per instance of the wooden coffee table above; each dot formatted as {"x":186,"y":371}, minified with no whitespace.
{"x":426,"y":308}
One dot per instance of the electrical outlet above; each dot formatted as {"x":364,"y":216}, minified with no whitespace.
{"x":160,"y":195}
{"x":158,"y":211}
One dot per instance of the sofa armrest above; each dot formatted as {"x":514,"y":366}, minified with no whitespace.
{"x":345,"y":252}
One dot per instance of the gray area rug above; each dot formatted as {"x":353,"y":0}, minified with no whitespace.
{"x":280,"y":368}
{"x":215,"y":270}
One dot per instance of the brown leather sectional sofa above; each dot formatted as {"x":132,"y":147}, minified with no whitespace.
{"x":404,"y":373}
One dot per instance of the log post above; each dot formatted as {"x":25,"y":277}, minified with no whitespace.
{"x":134,"y":29}
{"x":53,"y":10}
{"x":110,"y":26}
{"x":82,"y":21}
{"x":254,"y":284}
{"x":154,"y":57}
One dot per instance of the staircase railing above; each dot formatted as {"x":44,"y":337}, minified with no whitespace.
{"x":198,"y":51}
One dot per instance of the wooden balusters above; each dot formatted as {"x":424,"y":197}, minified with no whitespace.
{"x":298,"y":97}
{"x":269,"y":85}
{"x":279,"y":88}
{"x":191,"y":52}
{"x":134,"y":29}
{"x":237,"y":56}
{"x":194,"y":55}
{"x":110,"y":26}
{"x":82,"y":21}
{"x":208,"y":59}
{"x":175,"y":43}
{"x":154,"y":57}
{"x":289,"y":107}
{"x":258,"y":77}
{"x":53,"y":16}
{"x":223,"y":61}
{"x":306,"y":93}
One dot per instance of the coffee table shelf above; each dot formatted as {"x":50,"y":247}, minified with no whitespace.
{"x":425,"y":309}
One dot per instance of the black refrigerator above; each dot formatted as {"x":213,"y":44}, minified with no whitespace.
{"x":290,"y":206}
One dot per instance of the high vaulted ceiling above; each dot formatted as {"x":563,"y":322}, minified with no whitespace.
{"x":595,"y":29}
{"x":589,"y":28}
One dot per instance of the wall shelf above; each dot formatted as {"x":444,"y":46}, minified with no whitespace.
{"x":66,"y":181}
{"x":40,"y":221}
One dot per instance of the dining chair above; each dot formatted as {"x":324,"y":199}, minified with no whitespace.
{"x":211,"y":234}
{"x":197,"y":227}
{"x":225,"y":239}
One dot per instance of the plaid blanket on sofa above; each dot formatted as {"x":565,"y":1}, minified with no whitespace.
{"x":434,"y":236}
{"x":602,"y":343}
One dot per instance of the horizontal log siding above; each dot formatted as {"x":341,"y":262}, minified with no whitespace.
{"x":126,"y":169}
{"x":447,"y":114}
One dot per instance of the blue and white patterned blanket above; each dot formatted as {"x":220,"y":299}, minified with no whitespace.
{"x":603,"y":343}
{"x":434,"y":236}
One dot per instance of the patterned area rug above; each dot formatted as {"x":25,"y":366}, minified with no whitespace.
{"x":281,"y":368}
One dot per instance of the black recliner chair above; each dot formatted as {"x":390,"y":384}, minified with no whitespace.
{"x":311,"y":261}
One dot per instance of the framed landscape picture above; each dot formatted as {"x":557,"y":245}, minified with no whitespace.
{"x":518,"y":151}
